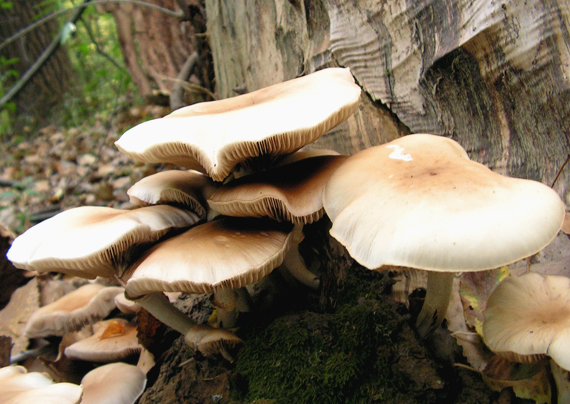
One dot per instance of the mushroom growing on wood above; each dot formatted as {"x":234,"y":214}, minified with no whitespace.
{"x":215,"y":137}
{"x":94,"y":241}
{"x":85,"y":305}
{"x":419,"y":202}
{"x":292,"y":192}
{"x":220,"y":257}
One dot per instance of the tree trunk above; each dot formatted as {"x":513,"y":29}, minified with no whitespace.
{"x":493,"y":76}
{"x":38,"y":99}
{"x":155,"y":47}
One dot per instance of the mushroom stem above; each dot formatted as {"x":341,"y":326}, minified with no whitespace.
{"x":295,"y":263}
{"x":438,"y":294}
{"x":158,"y":305}
{"x":225,"y":301}
{"x":562,"y":384}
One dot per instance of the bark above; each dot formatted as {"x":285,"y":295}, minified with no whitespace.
{"x":156,"y":46}
{"x":38,"y":99}
{"x":493,"y":76}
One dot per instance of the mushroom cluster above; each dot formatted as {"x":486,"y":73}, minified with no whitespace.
{"x":172,"y":240}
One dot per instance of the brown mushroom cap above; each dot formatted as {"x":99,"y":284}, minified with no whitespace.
{"x":186,"y":188}
{"x":292,"y":192}
{"x":112,"y":340}
{"x":84,"y":305}
{"x":115,"y":383}
{"x":90,"y":241}
{"x":528,"y":317}
{"x":226,"y":253}
{"x":214,"y":137}
{"x":419,"y":202}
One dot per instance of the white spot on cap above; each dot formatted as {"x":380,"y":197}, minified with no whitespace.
{"x":397,"y":153}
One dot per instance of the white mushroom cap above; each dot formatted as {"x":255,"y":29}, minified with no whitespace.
{"x":16,"y":379}
{"x":185,"y":188}
{"x":91,"y":241}
{"x":226,"y":253}
{"x":84,"y":305}
{"x":112,"y":340}
{"x":292,"y":192}
{"x":419,"y":202}
{"x":115,"y":383}
{"x":214,"y":137}
{"x":528,"y":317}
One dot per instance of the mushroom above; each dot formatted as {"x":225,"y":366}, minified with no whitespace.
{"x":19,"y":386}
{"x":419,"y":202}
{"x":214,"y":137}
{"x":528,"y":318}
{"x":183,"y":188}
{"x":94,"y":241}
{"x":112,"y":340}
{"x":115,"y":383}
{"x":85,"y":305}
{"x":292,"y":192}
{"x":220,"y":257}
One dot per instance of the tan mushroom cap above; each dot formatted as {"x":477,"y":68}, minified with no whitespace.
{"x":112,"y":340}
{"x":419,"y":202}
{"x":293,"y":192}
{"x":226,"y":253}
{"x":84,"y":305}
{"x":528,"y":317}
{"x":115,"y":383}
{"x":16,"y":379}
{"x":186,"y":188}
{"x":91,"y":241}
{"x":214,"y":137}
{"x":57,"y":393}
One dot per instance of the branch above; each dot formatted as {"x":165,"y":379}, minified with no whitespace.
{"x":55,"y":44}
{"x":167,"y":11}
{"x":177,"y":95}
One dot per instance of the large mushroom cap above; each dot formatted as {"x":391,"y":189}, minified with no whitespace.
{"x":419,"y":202}
{"x":115,"y":383}
{"x":528,"y":317}
{"x":90,"y":241}
{"x":226,"y":253}
{"x":214,"y":137}
{"x":292,"y":192}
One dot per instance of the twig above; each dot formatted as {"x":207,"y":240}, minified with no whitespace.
{"x":176,"y":98}
{"x":55,"y":14}
{"x":99,"y":49}
{"x":560,"y":171}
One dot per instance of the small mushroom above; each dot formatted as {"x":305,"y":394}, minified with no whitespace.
{"x":17,"y":386}
{"x":112,"y":340}
{"x":175,"y":187}
{"x":93,"y":241}
{"x":214,"y":137}
{"x":115,"y":383}
{"x":419,"y":202}
{"x":528,"y":318}
{"x":85,"y":305}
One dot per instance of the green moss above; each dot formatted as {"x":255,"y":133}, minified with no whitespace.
{"x":313,"y":357}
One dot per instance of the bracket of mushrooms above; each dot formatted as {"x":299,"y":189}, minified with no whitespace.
{"x":419,"y":202}
{"x":224,"y":140}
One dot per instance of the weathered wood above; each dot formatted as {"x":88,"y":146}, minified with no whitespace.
{"x":494,"y":76}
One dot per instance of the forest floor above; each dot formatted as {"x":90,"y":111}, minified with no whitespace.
{"x":357,"y":345}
